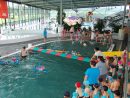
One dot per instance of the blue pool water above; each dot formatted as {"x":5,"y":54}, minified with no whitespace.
{"x":22,"y":81}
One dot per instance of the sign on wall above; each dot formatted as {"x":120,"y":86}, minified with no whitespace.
{"x":3,"y":9}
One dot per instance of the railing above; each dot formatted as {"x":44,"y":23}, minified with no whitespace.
{"x":125,"y":81}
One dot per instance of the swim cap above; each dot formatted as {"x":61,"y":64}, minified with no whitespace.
{"x":78,"y":84}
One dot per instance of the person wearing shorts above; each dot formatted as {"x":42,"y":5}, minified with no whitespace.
{"x":23,"y":53}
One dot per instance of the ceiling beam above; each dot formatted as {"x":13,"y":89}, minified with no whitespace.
{"x":39,"y":2}
{"x":54,"y":4}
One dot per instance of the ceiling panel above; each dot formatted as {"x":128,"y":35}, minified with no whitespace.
{"x":68,"y":4}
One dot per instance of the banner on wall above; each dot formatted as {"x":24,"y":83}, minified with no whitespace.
{"x":3,"y":9}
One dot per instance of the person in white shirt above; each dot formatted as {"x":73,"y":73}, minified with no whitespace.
{"x":97,"y":52}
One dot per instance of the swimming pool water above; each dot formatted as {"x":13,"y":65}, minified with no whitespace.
{"x":22,"y":81}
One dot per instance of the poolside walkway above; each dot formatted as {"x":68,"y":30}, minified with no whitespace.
{"x":18,"y":43}
{"x":10,"y":48}
{"x":14,"y":40}
{"x":24,"y":35}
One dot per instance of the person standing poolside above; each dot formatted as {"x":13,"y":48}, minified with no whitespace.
{"x":104,"y":92}
{"x":71,"y":32}
{"x":96,"y":92}
{"x":97,"y":52}
{"x":23,"y":53}
{"x":102,"y":67}
{"x":91,"y":75}
{"x":79,"y":89}
{"x":45,"y":34}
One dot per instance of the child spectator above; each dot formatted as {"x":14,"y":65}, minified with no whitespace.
{"x":97,"y":52}
{"x":115,"y":62}
{"x":107,"y":62}
{"x":79,"y":90}
{"x":96,"y":92}
{"x":102,"y":82}
{"x":116,"y":84}
{"x":117,"y":94}
{"x":109,"y":77}
{"x":87,"y":92}
{"x":91,"y":75}
{"x":112,"y":66}
{"x":102,"y":67}
{"x":120,"y":63}
{"x":67,"y":94}
{"x":104,"y":92}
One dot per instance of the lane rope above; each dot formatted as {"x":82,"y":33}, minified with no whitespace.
{"x":68,"y":56}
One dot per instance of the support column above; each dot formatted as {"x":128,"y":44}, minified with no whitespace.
{"x":24,"y":16}
{"x":31,"y":17}
{"x":44,"y":16}
{"x":126,"y":65}
{"x":9,"y":19}
{"x":125,"y":5}
{"x":35,"y":18}
{"x":19,"y":15}
{"x":39,"y":20}
{"x":61,"y":9}
{"x":13,"y":17}
{"x":28,"y":11}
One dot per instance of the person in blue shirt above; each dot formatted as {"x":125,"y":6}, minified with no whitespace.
{"x":91,"y":75}
{"x":45,"y":34}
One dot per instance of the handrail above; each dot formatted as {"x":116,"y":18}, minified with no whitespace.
{"x":125,"y":81}
{"x":126,"y":77}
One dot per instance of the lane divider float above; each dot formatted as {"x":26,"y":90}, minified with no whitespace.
{"x":69,"y":56}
